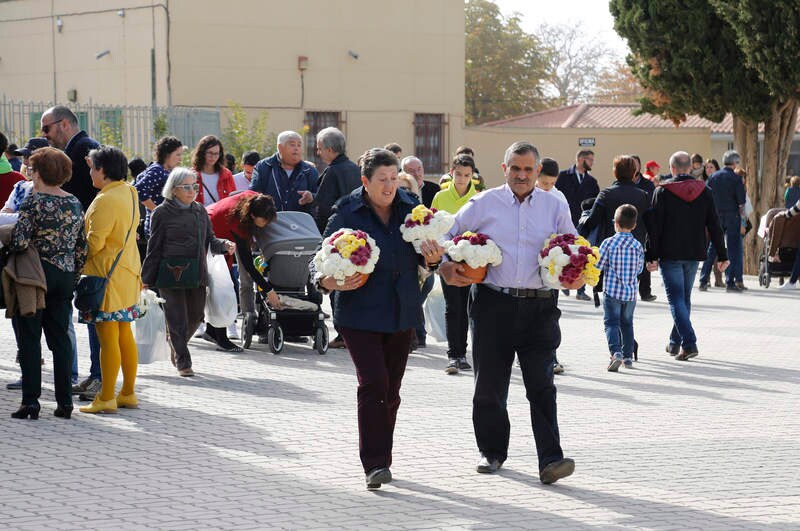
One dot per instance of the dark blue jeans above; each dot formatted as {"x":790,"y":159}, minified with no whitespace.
{"x":731,"y":226}
{"x":678,"y":278}
{"x":94,"y":352}
{"x":502,"y":326}
{"x":426,"y":288}
{"x":618,"y":321}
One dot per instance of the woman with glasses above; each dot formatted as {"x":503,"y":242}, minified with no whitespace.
{"x":214,"y":179}
{"x":111,"y":223}
{"x":50,"y":221}
{"x":180,"y":236}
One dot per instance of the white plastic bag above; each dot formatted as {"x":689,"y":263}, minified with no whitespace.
{"x":434,"y":312}
{"x":150,"y":332}
{"x":221,"y":307}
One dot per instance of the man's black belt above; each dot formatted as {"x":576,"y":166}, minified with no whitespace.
{"x":522,"y":293}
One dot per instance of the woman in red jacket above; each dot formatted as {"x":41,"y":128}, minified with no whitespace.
{"x":215,"y":180}
{"x":235,"y":218}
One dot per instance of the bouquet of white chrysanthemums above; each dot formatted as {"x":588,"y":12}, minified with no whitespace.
{"x":345,"y":253}
{"x":474,"y":249}
{"x":424,"y":224}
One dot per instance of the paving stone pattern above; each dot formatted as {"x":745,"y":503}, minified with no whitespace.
{"x":258,"y":441}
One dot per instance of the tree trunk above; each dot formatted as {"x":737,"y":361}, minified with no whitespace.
{"x":745,"y":141}
{"x":766,"y":191}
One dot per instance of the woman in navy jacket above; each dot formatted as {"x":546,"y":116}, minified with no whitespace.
{"x":377,"y":320}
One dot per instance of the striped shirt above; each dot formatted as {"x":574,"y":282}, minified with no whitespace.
{"x":621,"y":260}
{"x":794,"y":210}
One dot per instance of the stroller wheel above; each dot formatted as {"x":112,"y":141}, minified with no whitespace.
{"x":275,"y":338}
{"x":248,"y":327}
{"x":321,"y":340}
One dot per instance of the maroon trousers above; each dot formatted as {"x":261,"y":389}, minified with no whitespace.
{"x":380,"y":361}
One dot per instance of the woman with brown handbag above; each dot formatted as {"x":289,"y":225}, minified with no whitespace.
{"x":180,"y":236}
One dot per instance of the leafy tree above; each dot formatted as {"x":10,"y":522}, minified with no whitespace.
{"x":711,"y":57}
{"x":574,"y":63}
{"x":504,"y":65}
{"x":240,"y":135}
{"x":616,"y":84}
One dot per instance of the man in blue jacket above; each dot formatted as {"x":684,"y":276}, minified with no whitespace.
{"x":286,"y":177}
{"x":727,"y":188}
{"x":577,"y":184}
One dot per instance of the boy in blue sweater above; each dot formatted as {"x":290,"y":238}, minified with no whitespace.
{"x":621,"y":261}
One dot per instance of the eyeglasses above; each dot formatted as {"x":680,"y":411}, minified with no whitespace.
{"x":188,"y":187}
{"x":29,"y":170}
{"x":46,"y":128}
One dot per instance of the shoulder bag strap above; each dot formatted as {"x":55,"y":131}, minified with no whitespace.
{"x":119,"y":255}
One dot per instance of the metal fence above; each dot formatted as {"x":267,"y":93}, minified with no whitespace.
{"x":129,"y":127}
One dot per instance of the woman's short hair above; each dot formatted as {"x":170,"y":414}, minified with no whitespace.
{"x":254,"y":206}
{"x":176,"y":177}
{"x":137,"y":166}
{"x":374,"y":158}
{"x":164,"y":147}
{"x":624,"y":168}
{"x":53,"y":166}
{"x":111,"y":160}
{"x":199,"y":155}
{"x":794,"y":180}
{"x":408,"y":182}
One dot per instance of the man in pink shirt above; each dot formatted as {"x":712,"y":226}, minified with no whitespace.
{"x":513,"y":312}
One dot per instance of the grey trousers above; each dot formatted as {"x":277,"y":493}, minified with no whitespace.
{"x":247,"y":298}
{"x":183,"y":311}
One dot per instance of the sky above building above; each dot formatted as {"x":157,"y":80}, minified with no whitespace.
{"x":592,"y":14}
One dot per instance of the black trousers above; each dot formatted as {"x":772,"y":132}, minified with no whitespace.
{"x":456,"y":319}
{"x":54,"y":320}
{"x":502,"y":326}
{"x":644,"y":283}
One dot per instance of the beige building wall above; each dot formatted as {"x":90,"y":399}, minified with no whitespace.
{"x":490,"y":144}
{"x":410,"y":59}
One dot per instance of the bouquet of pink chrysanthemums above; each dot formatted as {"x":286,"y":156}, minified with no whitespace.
{"x":568,"y":261}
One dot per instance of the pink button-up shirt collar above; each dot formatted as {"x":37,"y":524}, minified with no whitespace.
{"x":519,"y":228}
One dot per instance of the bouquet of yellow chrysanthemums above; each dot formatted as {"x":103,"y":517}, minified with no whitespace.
{"x":345,"y":253}
{"x":425,"y":223}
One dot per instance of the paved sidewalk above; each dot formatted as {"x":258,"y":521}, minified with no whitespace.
{"x":259,"y":441}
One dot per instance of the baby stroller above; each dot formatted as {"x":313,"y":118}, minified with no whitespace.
{"x":287,"y":245}
{"x":780,"y":239}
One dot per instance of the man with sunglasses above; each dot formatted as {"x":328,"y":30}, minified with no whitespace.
{"x":60,"y":128}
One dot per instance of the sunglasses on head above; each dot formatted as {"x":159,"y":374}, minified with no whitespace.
{"x":189,"y":187}
{"x":46,"y":128}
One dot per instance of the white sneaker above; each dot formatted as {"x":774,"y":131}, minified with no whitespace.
{"x":233,"y":333}
{"x":788,"y":285}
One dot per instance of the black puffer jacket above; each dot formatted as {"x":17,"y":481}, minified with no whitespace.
{"x":179,"y":232}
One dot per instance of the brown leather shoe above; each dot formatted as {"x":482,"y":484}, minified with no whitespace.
{"x":557,"y":470}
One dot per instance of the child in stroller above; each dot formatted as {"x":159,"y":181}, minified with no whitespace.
{"x":287,"y":245}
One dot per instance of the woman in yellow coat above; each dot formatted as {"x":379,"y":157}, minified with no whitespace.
{"x":111,"y":223}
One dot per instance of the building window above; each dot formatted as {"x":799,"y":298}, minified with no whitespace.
{"x":316,"y":122}
{"x":429,"y":141}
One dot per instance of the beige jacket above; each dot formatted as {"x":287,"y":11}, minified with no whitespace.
{"x":24,"y":283}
